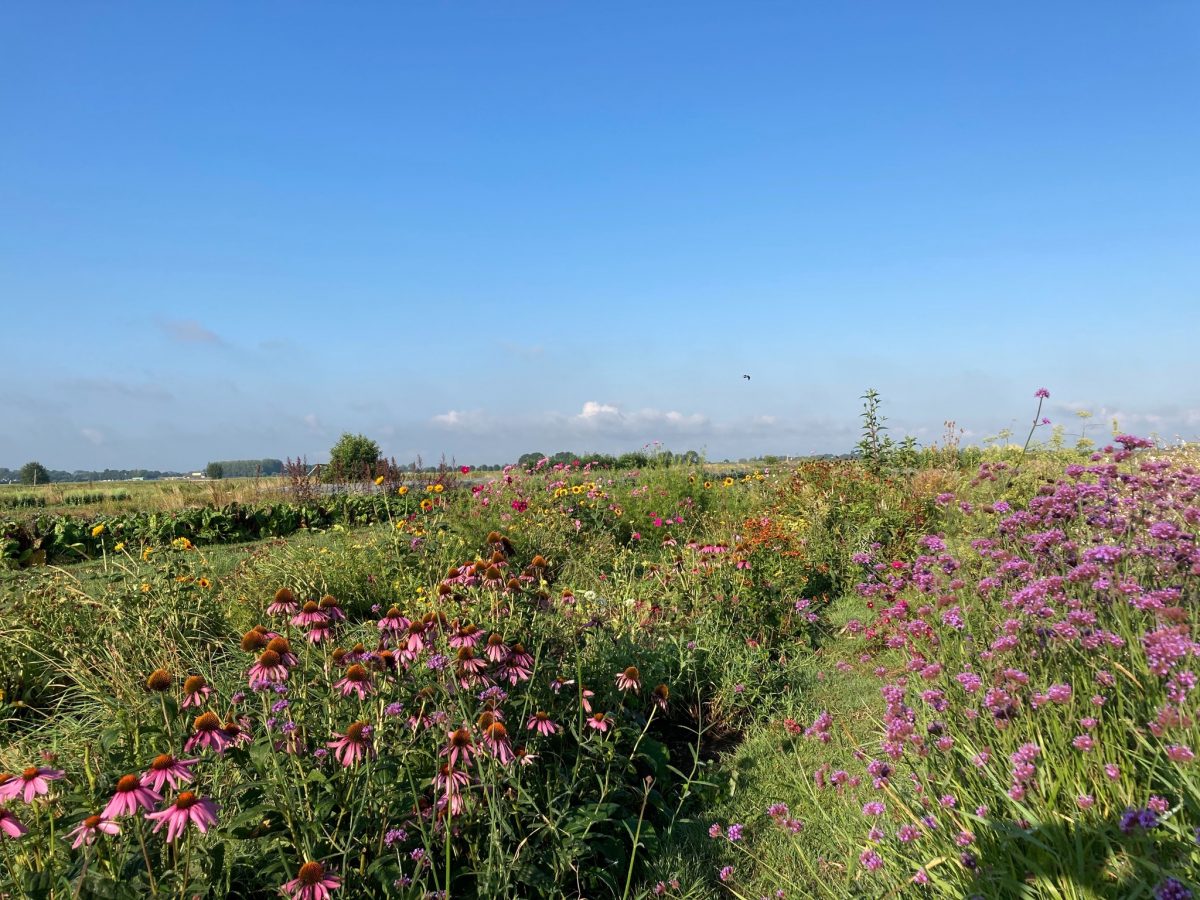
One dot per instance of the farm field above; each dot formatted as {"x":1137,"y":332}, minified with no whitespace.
{"x":956,"y":677}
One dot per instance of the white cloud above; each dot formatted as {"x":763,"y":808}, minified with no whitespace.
{"x":93,"y":435}
{"x":450,"y":419}
{"x":593,"y":410}
{"x":313,"y":423}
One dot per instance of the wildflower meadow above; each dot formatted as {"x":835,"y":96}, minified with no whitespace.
{"x":934,"y":672}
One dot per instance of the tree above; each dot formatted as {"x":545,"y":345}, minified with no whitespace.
{"x":34,"y":473}
{"x":353,"y":457}
{"x":214,"y":470}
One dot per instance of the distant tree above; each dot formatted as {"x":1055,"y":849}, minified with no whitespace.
{"x":525,"y":460}
{"x":214,"y":470}
{"x":271,"y":466}
{"x":34,"y":473}
{"x":353,"y":457}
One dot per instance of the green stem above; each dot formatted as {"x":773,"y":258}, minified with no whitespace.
{"x":146,"y":857}
{"x":637,"y":836}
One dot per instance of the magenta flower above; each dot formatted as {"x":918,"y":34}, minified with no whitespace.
{"x":195,"y":691}
{"x":284,"y":603}
{"x":310,"y":615}
{"x":459,"y":747}
{"x":354,"y":745}
{"x":496,"y":649}
{"x":11,"y":825}
{"x":166,"y":770}
{"x":207,"y":732}
{"x":598,"y":721}
{"x":90,"y":828}
{"x":629,"y":680}
{"x":1180,"y":753}
{"x":187,"y":809}
{"x":1042,"y":394}
{"x":541,"y":723}
{"x":495,"y":738}
{"x":33,"y":782}
{"x":465,"y":636}
{"x":311,"y":883}
{"x":394,"y":621}
{"x":130,"y":796}
{"x":356,"y":681}
{"x":267,"y":671}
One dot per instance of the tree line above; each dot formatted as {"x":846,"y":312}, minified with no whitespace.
{"x":243,"y":468}
{"x":35,"y":473}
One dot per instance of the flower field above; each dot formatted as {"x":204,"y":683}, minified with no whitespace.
{"x":816,"y":680}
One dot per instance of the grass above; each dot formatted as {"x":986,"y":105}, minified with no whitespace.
{"x":746,"y":601}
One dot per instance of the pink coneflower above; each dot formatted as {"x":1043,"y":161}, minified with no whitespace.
{"x":90,"y":828}
{"x":513,"y":673}
{"x":459,"y":747}
{"x":356,"y":681}
{"x":469,"y":662}
{"x":310,"y":615}
{"x":267,"y":671}
{"x":450,"y":779}
{"x":416,"y":639}
{"x":493,"y":576}
{"x":311,"y":883}
{"x":237,"y":733}
{"x":541,"y":723}
{"x":394,"y":621}
{"x":495,"y":738}
{"x":207,"y":732}
{"x":283,"y":647}
{"x":519,"y":656}
{"x":11,"y":825}
{"x":661,"y":696}
{"x":332,"y":608}
{"x":629,"y":680}
{"x":598,"y":721}
{"x":284,"y":603}
{"x":467,"y":635}
{"x":585,"y":699}
{"x":523,"y":756}
{"x":169,"y":771}
{"x":354,"y":745}
{"x":497,"y":649}
{"x":187,"y":809}
{"x":130,"y":796}
{"x":31,"y":783}
{"x":319,"y":633}
{"x":195,"y":691}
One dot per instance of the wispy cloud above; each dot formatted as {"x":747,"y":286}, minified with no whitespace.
{"x":189,"y":331}
{"x":93,"y":435}
{"x":109,"y":387}
{"x":523,"y":351}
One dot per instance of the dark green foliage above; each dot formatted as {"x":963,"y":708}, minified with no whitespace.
{"x":244,"y":468}
{"x":355,"y":457}
{"x":64,"y":539}
{"x":33,"y":473}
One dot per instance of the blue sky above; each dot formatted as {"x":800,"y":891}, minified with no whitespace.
{"x":238,"y":230}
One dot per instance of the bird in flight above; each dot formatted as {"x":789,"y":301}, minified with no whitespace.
{"x":747,"y":377}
